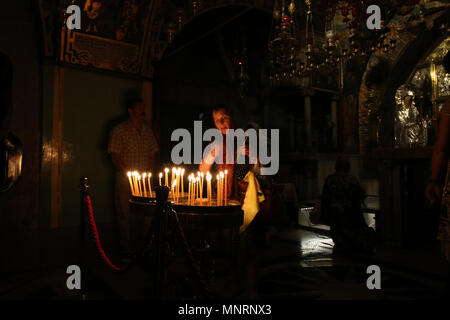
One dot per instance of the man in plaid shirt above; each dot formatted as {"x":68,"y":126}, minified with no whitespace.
{"x":132,"y":146}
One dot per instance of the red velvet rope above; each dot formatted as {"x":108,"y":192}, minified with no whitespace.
{"x":96,"y":237}
{"x":108,"y":262}
{"x":191,"y":258}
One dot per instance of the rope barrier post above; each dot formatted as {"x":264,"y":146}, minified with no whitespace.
{"x":162,"y":194}
{"x":84,"y":185}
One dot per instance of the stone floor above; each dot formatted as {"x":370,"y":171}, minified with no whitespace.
{"x":294,"y":264}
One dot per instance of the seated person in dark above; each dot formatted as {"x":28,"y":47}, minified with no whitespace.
{"x":340,"y":208}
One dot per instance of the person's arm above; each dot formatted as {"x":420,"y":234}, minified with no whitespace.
{"x":117,"y":161}
{"x":115,"y":149}
{"x":207,"y":163}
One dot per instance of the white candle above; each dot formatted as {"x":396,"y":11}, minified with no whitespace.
{"x":221,"y":187}
{"x":174,"y":171}
{"x":143,"y":182}
{"x":208,"y":191}
{"x":218,"y":188}
{"x":149,"y":184}
{"x":226,"y":187}
{"x":136,"y":188}
{"x":201,"y":186}
{"x":189,"y":190}
{"x":139,"y":185}
{"x":131,"y":183}
{"x":182,"y":184}
{"x":173,"y":190}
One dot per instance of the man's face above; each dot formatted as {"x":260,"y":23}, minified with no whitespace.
{"x":137,"y":113}
{"x":222,"y":121}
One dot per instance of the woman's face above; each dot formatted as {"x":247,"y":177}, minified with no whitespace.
{"x":222,"y":121}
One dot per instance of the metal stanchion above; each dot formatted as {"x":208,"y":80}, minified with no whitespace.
{"x":161,"y":220}
{"x":82,"y":254}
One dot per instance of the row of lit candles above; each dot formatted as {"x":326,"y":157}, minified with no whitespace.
{"x":196,"y":188}
{"x":139,"y":182}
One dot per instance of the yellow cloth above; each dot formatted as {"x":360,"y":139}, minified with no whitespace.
{"x":253,"y":197}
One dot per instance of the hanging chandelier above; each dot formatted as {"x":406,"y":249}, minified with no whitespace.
{"x":284,"y":43}
{"x":295,"y":52}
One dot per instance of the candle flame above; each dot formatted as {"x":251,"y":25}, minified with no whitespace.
{"x":129,"y":174}
{"x":166,"y":170}
{"x":149,"y":174}
{"x":144,"y":175}
{"x":226,"y":171}
{"x":160,"y":174}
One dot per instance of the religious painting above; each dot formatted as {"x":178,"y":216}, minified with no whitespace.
{"x":108,"y":26}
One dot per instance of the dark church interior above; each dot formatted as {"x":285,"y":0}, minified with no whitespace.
{"x":353,"y":98}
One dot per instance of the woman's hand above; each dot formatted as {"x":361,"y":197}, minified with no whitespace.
{"x":433,"y":192}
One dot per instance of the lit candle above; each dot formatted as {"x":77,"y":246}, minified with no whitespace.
{"x":143,"y":182}
{"x":166,"y":170}
{"x":226,"y":187}
{"x":173,"y":190}
{"x":221,"y":187}
{"x":160,"y":176}
{"x":208,"y":188}
{"x":182,"y":183}
{"x":218,"y":193}
{"x":197,"y":188}
{"x":136,"y":188}
{"x":149,"y":184}
{"x":131,"y":183}
{"x":189,"y":190}
{"x":178,"y":182}
{"x":139,"y":185}
{"x":201,"y":186}
{"x":174,"y":171}
{"x":193,"y":190}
